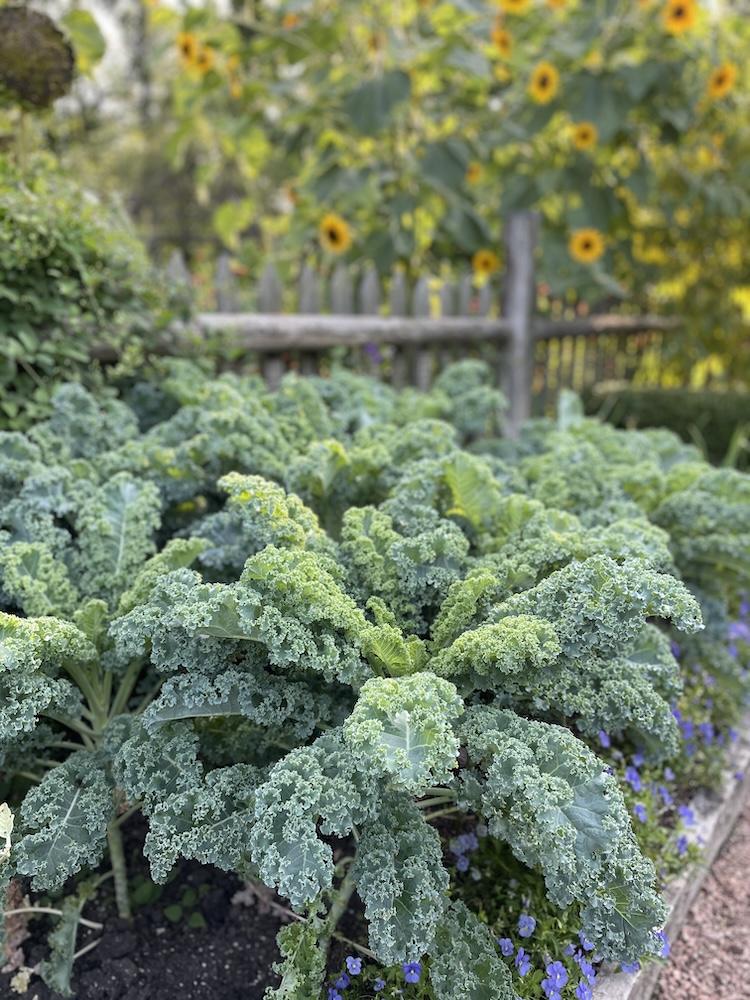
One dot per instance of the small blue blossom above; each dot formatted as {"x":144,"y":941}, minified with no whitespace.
{"x":342,"y":982}
{"x":733,"y":735}
{"x":412,"y":971}
{"x":526,"y":925}
{"x":353,"y":965}
{"x":739,"y":775}
{"x":688,"y":728}
{"x":690,"y":749}
{"x":523,"y":963}
{"x":569,"y":950}
{"x":379,"y":985}
{"x":665,"y":795}
{"x":585,"y":943}
{"x":506,"y":947}
{"x":668,"y":774}
{"x":739,"y":630}
{"x":333,"y":994}
{"x":675,"y":648}
{"x":676,"y":713}
{"x":587,"y":969}
{"x":682,"y":845}
{"x":638,"y":760}
{"x":686,"y":815}
{"x":665,"y":946}
{"x":630,"y":967}
{"x":604,"y":740}
{"x":557,"y":977}
{"x":584,"y":991}
{"x":462,"y":863}
{"x":640,"y":812}
{"x":633,"y":778}
{"x":707,"y":732}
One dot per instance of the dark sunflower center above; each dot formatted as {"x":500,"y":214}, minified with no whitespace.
{"x":333,"y":235}
{"x":544,"y":81}
{"x":587,"y":244}
{"x":680,"y":12}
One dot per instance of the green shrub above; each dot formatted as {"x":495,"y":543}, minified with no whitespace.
{"x":72,"y":275}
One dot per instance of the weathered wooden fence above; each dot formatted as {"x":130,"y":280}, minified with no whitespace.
{"x":406,"y":333}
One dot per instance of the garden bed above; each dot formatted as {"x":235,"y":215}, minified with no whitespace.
{"x":716,"y":815}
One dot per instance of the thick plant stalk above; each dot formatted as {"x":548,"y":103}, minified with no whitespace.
{"x":119,"y":870}
{"x":338,"y":909}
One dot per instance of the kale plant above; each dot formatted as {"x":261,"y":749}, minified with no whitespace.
{"x":295,"y":629}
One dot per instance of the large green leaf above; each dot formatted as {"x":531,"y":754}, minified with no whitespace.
{"x":372,"y":103}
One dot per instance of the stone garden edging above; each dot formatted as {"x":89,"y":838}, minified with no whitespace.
{"x":716,"y":815}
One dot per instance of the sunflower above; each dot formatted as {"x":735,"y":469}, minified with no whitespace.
{"x":679,"y":16}
{"x":544,"y":83}
{"x":514,"y":6}
{"x":474,"y":172}
{"x":188,"y":46}
{"x":586,"y":245}
{"x":334,"y":233}
{"x":585,"y":135}
{"x":722,"y":80}
{"x":204,"y":60}
{"x":501,"y":40}
{"x":485,"y":262}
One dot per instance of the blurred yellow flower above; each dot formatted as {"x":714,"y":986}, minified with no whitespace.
{"x":556,"y":4}
{"x":586,"y":245}
{"x":334,"y":233}
{"x":722,"y":80}
{"x":290,"y":21}
{"x":680,"y":16}
{"x":204,"y":60}
{"x":188,"y":46}
{"x":544,"y":83}
{"x":514,"y":6}
{"x":502,"y":41}
{"x":485,"y":263}
{"x":474,"y":172}
{"x":585,"y":135}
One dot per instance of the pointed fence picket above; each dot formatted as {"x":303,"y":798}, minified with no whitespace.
{"x":406,"y":328}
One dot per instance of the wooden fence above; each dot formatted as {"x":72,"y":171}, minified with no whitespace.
{"x":407,"y":333}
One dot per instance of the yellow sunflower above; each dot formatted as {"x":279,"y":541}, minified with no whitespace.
{"x":514,"y":6}
{"x":334,"y":233}
{"x":722,"y":80}
{"x":485,"y":263}
{"x":680,"y":16}
{"x":544,"y":83}
{"x":502,"y":41}
{"x":585,"y":135}
{"x":204,"y":60}
{"x":586,"y":245}
{"x":474,"y":172}
{"x":188,"y":46}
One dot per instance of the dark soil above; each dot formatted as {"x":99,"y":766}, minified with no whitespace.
{"x":187,"y":941}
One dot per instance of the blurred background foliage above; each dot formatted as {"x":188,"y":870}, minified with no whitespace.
{"x":405,"y":131}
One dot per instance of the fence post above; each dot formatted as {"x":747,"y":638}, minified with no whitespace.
{"x":518,"y":309}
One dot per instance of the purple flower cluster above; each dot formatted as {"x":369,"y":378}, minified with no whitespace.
{"x":461,"y":847}
{"x":412,"y":972}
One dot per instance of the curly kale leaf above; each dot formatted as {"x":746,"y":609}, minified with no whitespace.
{"x":548,"y":796}
{"x":303,"y":964}
{"x":464,"y":962}
{"x":36,"y":581}
{"x":400,"y":877}
{"x":318,"y":787}
{"x":115,"y":526}
{"x":178,"y":553}
{"x":598,"y":606}
{"x":66,"y":816}
{"x":402,"y":728}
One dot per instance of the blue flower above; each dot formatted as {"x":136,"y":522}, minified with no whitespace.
{"x":675,"y":648}
{"x":690,"y":749}
{"x":640,"y":813}
{"x":585,"y":943}
{"x":688,"y":728}
{"x":638,"y":760}
{"x":523,"y":963}
{"x":557,"y":977}
{"x":633,"y":778}
{"x":342,"y":982}
{"x":739,"y":630}
{"x":686,"y":815}
{"x":333,"y":994}
{"x":354,"y":965}
{"x":733,"y":735}
{"x":739,"y":776}
{"x":469,"y":841}
{"x":587,"y":969}
{"x":682,"y":845}
{"x":666,"y":795}
{"x":668,"y":774}
{"x":604,"y":739}
{"x":584,"y":991}
{"x":569,"y":950}
{"x":707,"y":732}
{"x":665,"y":947}
{"x":506,"y":946}
{"x":462,"y":863}
{"x":379,"y":985}
{"x":526,"y":925}
{"x":630,"y":967}
{"x":412,"y":972}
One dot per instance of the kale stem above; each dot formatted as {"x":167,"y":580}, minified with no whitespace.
{"x":353,"y":944}
{"x":55,"y":913}
{"x":338,"y":909}
{"x":119,"y":870}
{"x":443,"y":812}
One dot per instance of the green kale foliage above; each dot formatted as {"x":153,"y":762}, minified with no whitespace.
{"x":275,"y":621}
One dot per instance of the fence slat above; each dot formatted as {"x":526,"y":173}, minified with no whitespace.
{"x":225,"y":285}
{"x":309,"y":291}
{"x":342,"y":292}
{"x":270,"y":294}
{"x":465,"y":295}
{"x":176,"y":271}
{"x":421,"y":359}
{"x":399,"y":304}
